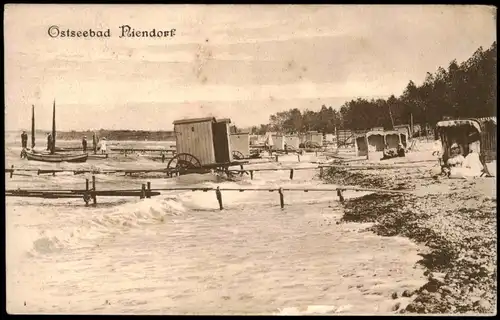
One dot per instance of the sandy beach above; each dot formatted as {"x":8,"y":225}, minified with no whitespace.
{"x":455,"y":219}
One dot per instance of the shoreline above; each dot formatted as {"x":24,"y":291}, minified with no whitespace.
{"x":455,"y":219}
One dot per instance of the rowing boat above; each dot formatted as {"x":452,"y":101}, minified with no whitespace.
{"x":56,"y":157}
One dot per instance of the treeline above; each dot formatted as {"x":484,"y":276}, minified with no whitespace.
{"x":118,"y":135}
{"x":465,"y":90}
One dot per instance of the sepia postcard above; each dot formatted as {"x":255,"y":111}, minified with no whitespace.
{"x":250,"y":159}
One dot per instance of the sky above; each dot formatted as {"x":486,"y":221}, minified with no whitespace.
{"x":243,"y":62}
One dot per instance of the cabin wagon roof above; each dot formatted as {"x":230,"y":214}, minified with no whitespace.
{"x":487,"y":119}
{"x":227,"y":120}
{"x":194,"y":120}
{"x":458,"y":123}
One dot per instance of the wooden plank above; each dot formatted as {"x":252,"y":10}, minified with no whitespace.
{"x":142,"y":150}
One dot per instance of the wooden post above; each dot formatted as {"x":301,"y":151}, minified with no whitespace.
{"x":291,"y":174}
{"x":53,"y":173}
{"x":12,"y":170}
{"x":282,"y":200}
{"x":162,"y":157}
{"x":148,"y":193}
{"x":94,"y":196}
{"x":316,"y":153}
{"x":276,"y":158}
{"x":251,"y":174}
{"x":321,"y":172}
{"x":241,"y":172}
{"x":86,"y":196}
{"x":339,"y":194}
{"x":218,"y":194}
{"x":298,"y":157}
{"x":143,"y":191}
{"x":411,"y":125}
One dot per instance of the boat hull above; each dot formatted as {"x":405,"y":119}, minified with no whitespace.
{"x":54,"y":158}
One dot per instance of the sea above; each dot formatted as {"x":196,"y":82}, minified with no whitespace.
{"x":178,"y":253}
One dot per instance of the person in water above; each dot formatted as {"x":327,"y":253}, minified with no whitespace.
{"x":24,"y":140}
{"x":84,"y":143}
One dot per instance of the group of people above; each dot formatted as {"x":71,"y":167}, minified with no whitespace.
{"x":50,"y":143}
{"x":458,"y":166}
{"x":97,"y":145}
{"x":389,"y":153}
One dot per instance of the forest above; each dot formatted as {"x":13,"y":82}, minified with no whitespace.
{"x":465,"y":90}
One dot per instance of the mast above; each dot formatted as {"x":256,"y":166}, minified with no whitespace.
{"x":32,"y":127}
{"x":53,"y":148}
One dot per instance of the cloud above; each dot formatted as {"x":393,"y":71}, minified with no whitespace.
{"x":259,"y":58}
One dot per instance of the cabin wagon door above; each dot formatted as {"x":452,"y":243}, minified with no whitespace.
{"x":221,"y":142}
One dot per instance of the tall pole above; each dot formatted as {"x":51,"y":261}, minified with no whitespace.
{"x":53,"y":147}
{"x":392,"y":120}
{"x":32,"y":127}
{"x":411,"y":124}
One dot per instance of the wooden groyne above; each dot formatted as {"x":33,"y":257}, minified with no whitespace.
{"x":90,"y":193}
{"x":171,"y":172}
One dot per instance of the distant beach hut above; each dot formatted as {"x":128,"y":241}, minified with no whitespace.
{"x":279,"y":141}
{"x":293,"y":141}
{"x":253,"y":139}
{"x":240,"y":144}
{"x":329,"y":138}
{"x":314,"y":137}
{"x":269,"y":141}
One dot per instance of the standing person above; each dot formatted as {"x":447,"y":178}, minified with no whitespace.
{"x":94,"y":142}
{"x":103,"y":146}
{"x":49,"y":141}
{"x":24,"y":140}
{"x":84,"y":143}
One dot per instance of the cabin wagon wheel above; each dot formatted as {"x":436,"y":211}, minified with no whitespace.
{"x":183,"y":161}
{"x":238,"y":155}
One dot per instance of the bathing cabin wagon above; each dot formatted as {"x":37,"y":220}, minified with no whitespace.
{"x":240,"y":145}
{"x":202,"y":143}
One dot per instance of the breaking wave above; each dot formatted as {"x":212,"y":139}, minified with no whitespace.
{"x":76,"y":228}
